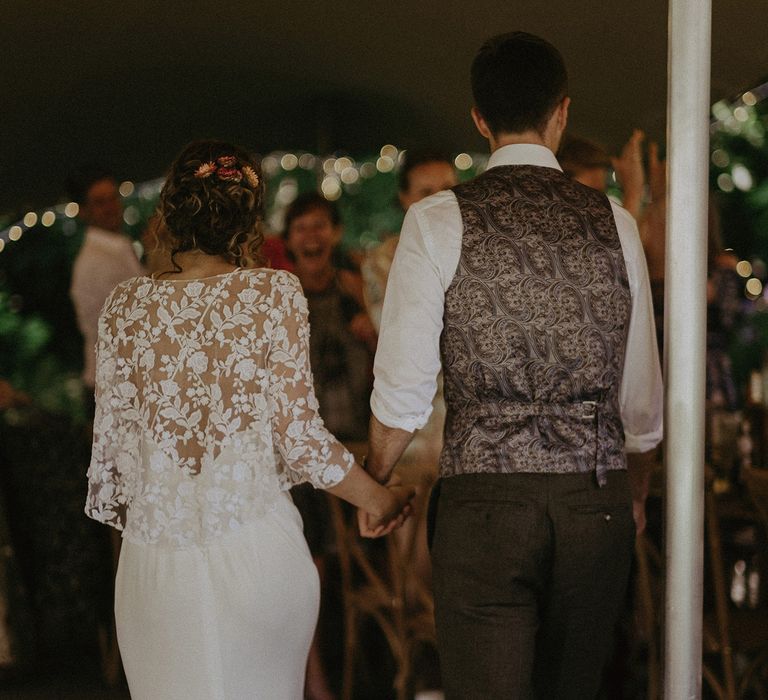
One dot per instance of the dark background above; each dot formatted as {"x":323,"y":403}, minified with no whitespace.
{"x":131,"y":82}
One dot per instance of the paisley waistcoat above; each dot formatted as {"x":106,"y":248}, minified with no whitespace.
{"x":535,"y":327}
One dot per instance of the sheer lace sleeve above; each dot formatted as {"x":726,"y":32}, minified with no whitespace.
{"x":115,"y":442}
{"x":309,"y":451}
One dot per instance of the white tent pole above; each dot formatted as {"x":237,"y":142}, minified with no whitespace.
{"x":685,"y":340}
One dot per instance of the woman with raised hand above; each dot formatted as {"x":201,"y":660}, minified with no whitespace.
{"x":205,"y":417}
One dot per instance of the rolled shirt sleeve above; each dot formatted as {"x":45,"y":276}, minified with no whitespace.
{"x":641,"y":397}
{"x":408,"y":354}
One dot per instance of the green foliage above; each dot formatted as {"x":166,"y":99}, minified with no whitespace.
{"x":30,"y":361}
{"x":739,"y":174}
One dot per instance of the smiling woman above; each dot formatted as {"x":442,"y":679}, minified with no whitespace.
{"x":343,"y":337}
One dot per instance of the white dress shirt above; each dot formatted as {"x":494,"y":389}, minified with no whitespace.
{"x":105,"y":259}
{"x":408,"y":355}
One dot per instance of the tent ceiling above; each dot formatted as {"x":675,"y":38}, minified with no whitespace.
{"x":133,"y":82}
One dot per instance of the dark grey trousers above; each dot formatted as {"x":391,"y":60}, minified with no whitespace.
{"x":530,"y":572}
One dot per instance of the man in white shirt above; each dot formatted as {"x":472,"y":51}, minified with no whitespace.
{"x":531,"y":292}
{"x":106,"y":258}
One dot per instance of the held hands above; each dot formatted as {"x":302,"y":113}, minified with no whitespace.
{"x":394,"y":515}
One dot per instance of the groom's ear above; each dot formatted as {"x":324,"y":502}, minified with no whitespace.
{"x":563,"y":117}
{"x":480,"y":123}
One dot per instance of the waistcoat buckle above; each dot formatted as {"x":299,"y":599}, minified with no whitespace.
{"x":590,"y":408}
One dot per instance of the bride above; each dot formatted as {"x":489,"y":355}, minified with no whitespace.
{"x":205,"y":417}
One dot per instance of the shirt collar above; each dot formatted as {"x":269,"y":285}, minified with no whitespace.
{"x":523,"y":154}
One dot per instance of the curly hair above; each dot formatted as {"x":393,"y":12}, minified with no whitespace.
{"x":215,"y":210}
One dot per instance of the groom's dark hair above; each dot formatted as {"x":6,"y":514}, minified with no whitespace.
{"x":518,"y":80}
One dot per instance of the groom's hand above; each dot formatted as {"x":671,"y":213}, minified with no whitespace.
{"x":371,"y":526}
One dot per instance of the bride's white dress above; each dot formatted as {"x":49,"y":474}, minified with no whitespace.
{"x":205,"y":417}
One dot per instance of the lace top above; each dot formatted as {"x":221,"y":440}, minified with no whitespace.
{"x":204,"y":406}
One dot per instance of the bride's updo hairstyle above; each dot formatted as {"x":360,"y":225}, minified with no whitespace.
{"x":212,"y":202}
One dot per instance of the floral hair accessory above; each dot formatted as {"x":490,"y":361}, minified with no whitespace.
{"x":205,"y":170}
{"x":250,"y":176}
{"x":229,"y":174}
{"x":225,"y":169}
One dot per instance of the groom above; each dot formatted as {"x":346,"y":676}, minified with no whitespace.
{"x":531,"y":292}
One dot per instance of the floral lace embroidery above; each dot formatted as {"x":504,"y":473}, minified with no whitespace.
{"x":204,"y":406}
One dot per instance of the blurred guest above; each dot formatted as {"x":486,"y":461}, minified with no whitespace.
{"x":342,"y":340}
{"x":343,"y":337}
{"x":422,"y":173}
{"x":106,"y":258}
{"x":585,"y":161}
{"x":589,"y":163}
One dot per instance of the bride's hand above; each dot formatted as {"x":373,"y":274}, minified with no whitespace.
{"x":394,"y":516}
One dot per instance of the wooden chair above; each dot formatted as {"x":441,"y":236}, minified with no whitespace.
{"x":756,"y":481}
{"x":379,"y":594}
{"x":729,"y":632}
{"x":648,"y":606}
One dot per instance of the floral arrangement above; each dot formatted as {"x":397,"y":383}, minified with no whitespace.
{"x":225,"y":169}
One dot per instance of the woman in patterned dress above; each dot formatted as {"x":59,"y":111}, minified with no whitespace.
{"x":205,"y":417}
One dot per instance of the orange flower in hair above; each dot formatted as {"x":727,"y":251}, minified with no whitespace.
{"x":250,"y":176}
{"x":225,"y":169}
{"x":205,"y":170}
